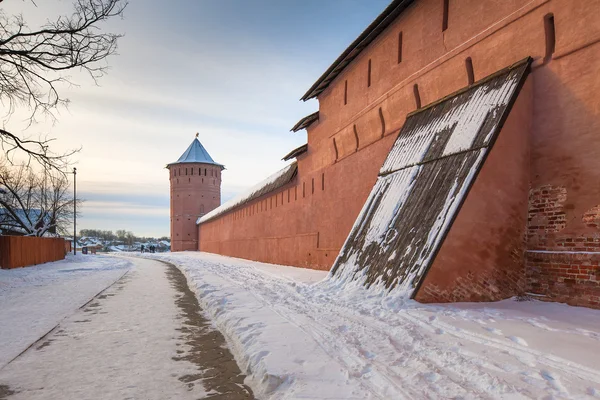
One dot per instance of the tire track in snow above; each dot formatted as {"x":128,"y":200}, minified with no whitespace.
{"x":319,"y":333}
{"x":464,"y":381}
{"x":372,"y":345}
{"x":560,"y":364}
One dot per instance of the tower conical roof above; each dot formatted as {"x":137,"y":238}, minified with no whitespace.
{"x":196,"y":153}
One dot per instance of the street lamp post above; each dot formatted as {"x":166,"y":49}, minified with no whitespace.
{"x":74,"y":211}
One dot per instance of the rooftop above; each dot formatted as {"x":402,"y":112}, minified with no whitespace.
{"x":273,"y":182}
{"x":305,"y":122}
{"x":196,"y":153}
{"x":384,"y":19}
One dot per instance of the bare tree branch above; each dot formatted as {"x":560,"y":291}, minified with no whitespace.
{"x":34,"y":62}
{"x":34,"y":203}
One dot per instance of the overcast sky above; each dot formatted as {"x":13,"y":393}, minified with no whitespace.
{"x":231,"y":70}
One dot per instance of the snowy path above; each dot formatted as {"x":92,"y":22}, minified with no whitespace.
{"x":34,"y":300}
{"x":296,"y":338}
{"x":141,"y":338}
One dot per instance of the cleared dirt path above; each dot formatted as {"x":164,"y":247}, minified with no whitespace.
{"x":143,"y":337}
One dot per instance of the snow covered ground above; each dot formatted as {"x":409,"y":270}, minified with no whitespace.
{"x":34,"y":300}
{"x":299,"y":335}
{"x":131,"y":342}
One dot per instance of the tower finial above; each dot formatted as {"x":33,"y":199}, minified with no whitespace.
{"x":197,"y":134}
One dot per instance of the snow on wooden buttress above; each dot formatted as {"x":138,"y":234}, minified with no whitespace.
{"x":423,"y":182}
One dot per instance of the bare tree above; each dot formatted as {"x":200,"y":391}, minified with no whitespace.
{"x":33,"y":203}
{"x":34,"y":61}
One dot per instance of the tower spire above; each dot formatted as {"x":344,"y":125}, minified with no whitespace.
{"x":197,"y":134}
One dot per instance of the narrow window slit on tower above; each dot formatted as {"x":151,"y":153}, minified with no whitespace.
{"x":550,"y":31}
{"x":369,"y":74}
{"x":336,"y":149}
{"x":382,"y":122}
{"x":356,"y":137}
{"x":313,"y":186}
{"x":445,"y":16}
{"x":303,"y":189}
{"x":323,"y":181}
{"x":417,"y":96}
{"x":345,"y":92}
{"x":470,"y":72}
{"x":399,"y":47}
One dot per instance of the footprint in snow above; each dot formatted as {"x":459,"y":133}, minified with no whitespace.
{"x":518,"y":340}
{"x":553,"y":381}
{"x":367,"y":354}
{"x":593,"y":392}
{"x":493,"y":330}
{"x":364,"y":371}
{"x":591,"y":334}
{"x":540,"y":325}
{"x":430,"y":376}
{"x":439,"y":331}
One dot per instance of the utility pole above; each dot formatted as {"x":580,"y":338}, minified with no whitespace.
{"x":74,"y":211}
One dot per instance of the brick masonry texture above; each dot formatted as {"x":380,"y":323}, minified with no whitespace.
{"x":546,"y":213}
{"x":561,"y":266}
{"x":592,"y":217}
{"x":565,"y":277}
{"x":475,"y":287}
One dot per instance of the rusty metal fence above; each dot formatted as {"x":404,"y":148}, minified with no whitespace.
{"x":22,"y":251}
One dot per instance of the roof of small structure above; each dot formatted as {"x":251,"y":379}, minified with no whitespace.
{"x":296,"y":152}
{"x":196,"y":153}
{"x":273,"y":182}
{"x":33,"y":218}
{"x":305,"y":122}
{"x":363,"y":40}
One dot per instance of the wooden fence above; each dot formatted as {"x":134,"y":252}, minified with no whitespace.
{"x":21,"y":251}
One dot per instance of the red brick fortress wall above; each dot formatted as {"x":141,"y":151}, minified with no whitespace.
{"x":360,"y":114}
{"x":304,"y":223}
{"x":563,"y":266}
{"x":563,"y":234}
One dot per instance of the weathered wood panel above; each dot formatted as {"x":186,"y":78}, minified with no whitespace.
{"x":423,"y":182}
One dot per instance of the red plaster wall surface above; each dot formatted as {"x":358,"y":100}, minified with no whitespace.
{"x":349,"y":142}
{"x":195,"y":190}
